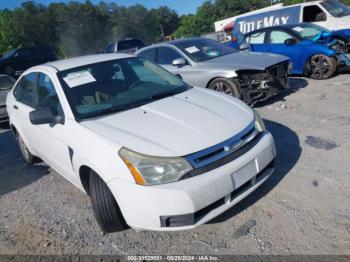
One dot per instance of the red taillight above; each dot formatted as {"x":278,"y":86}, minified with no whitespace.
{"x":233,"y":39}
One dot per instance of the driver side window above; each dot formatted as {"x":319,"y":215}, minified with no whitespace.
{"x":46,"y":94}
{"x":279,"y":37}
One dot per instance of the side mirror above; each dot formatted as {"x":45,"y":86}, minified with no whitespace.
{"x":179,"y":62}
{"x":244,"y":46}
{"x":290,"y":41}
{"x":44,"y":115}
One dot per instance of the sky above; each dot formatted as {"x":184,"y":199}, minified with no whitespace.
{"x":181,"y":6}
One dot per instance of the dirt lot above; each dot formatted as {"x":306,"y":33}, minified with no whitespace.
{"x":303,"y":209}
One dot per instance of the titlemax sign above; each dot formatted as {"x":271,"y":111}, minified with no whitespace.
{"x":246,"y":27}
{"x":287,"y":15}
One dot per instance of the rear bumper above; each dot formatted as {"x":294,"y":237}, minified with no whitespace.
{"x":194,"y":201}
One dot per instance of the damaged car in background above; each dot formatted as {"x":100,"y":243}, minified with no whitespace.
{"x":205,"y":63}
{"x":313,"y":52}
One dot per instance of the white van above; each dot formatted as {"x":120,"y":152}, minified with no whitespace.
{"x":330,"y":14}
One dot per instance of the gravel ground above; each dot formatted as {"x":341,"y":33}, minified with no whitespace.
{"x":302,"y":209}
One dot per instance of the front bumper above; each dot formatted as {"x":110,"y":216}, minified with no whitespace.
{"x":194,"y":201}
{"x":261,"y":85}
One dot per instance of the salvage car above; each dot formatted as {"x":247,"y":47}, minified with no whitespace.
{"x":16,"y":61}
{"x":6,"y":83}
{"x":310,"y":56}
{"x":151,"y":151}
{"x":205,"y":63}
{"x":338,"y":40}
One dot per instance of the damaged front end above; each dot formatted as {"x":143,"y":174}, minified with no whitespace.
{"x":256,"y":85}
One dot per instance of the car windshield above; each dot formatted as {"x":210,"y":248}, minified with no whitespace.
{"x":117,"y":85}
{"x":6,"y":82}
{"x":203,"y":49}
{"x":336,"y":8}
{"x":309,"y":31}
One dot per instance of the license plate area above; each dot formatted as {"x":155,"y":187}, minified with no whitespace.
{"x":244,"y":174}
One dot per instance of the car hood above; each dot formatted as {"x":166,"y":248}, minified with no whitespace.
{"x":175,"y":126}
{"x":247,"y":60}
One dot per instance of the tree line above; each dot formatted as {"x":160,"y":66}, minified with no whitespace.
{"x":77,"y":28}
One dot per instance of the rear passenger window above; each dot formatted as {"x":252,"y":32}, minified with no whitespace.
{"x":149,"y":54}
{"x":257,"y":38}
{"x":26,"y":89}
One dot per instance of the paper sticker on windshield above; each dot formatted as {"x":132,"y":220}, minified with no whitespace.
{"x":79,"y":78}
{"x":192,"y":49}
{"x":298,"y":29}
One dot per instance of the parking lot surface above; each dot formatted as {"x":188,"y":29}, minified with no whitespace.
{"x":302,"y":209}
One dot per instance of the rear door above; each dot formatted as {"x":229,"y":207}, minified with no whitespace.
{"x":22,"y":106}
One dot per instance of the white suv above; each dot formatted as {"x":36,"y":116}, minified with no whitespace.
{"x":151,"y":151}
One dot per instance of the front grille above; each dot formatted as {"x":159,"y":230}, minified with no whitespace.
{"x":279,"y":70}
{"x":250,"y":139}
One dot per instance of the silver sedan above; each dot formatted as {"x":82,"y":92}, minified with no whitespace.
{"x":205,"y":63}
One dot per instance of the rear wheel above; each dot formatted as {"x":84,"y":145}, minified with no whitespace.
{"x":28,"y":157}
{"x":223,"y":85}
{"x":106,"y":209}
{"x":322,"y":67}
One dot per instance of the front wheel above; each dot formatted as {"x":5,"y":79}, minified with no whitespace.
{"x":27,"y":156}
{"x":106,"y":209}
{"x":223,"y":85}
{"x":322,"y":67}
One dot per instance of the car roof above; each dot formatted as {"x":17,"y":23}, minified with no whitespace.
{"x":69,"y":63}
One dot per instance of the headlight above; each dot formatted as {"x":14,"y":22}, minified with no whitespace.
{"x":259,"y":123}
{"x":150,"y":170}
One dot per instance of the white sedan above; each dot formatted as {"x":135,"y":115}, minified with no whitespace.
{"x":151,"y":151}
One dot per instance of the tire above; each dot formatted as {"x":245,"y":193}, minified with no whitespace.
{"x":27,"y":156}
{"x":223,"y":85}
{"x":9,"y":70}
{"x":106,"y":209}
{"x":322,"y":67}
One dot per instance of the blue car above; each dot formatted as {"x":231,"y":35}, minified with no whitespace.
{"x":313,"y":50}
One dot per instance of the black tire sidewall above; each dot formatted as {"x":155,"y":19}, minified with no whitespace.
{"x":27,"y":156}
{"x":104,"y":205}
{"x":333,"y":67}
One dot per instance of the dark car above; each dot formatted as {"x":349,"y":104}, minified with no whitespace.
{"x":129,"y":45}
{"x":18,"y":60}
{"x":6,"y":83}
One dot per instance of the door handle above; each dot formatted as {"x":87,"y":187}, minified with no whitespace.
{"x":15,"y":107}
